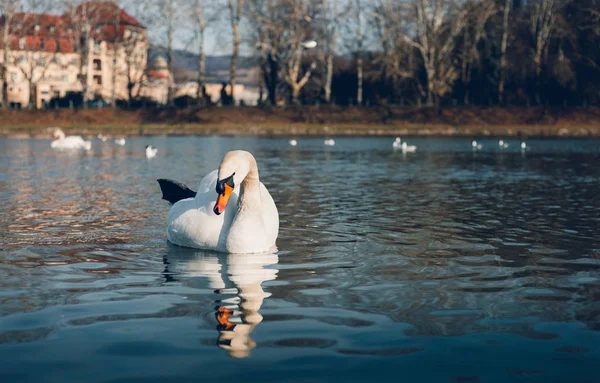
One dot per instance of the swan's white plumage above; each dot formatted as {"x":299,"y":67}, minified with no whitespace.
{"x":397,"y":143}
{"x":249,"y":229}
{"x":69,"y":142}
{"x":151,"y":151}
{"x":120,"y":141}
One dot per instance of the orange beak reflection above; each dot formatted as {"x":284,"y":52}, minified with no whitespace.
{"x":222,"y":200}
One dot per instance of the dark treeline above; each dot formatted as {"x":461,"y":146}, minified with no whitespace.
{"x":428,"y":52}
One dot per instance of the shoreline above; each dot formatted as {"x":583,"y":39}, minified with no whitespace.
{"x":312,"y":130}
{"x":309,"y":122}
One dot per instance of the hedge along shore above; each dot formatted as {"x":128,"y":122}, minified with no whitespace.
{"x":309,"y":121}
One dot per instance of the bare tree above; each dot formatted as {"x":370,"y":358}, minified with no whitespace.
{"x":543,"y":18}
{"x":503,"y":47}
{"x":479,"y":13}
{"x":300,"y":15}
{"x":235,"y":12}
{"x":200,"y":21}
{"x":390,"y":18}
{"x":359,"y":53}
{"x":8,"y":8}
{"x":437,"y":24}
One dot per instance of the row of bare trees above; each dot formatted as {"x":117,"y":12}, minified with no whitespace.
{"x":422,"y":51}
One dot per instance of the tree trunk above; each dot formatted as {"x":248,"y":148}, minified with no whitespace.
{"x":201,"y":67}
{"x":6,"y":54}
{"x":359,"y":60}
{"x":273,"y":79}
{"x":234,"y":56}
{"x":329,"y":77}
{"x":503,"y":48}
{"x":170,"y":56}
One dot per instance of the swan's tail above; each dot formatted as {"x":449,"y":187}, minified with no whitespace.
{"x":174,"y":191}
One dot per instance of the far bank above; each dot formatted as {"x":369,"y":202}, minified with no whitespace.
{"x":310,"y":121}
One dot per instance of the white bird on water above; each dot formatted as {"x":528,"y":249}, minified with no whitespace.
{"x":397,"y":143}
{"x":524,"y":146}
{"x":293,"y":142}
{"x":68,"y":142}
{"x":102,"y":137}
{"x":329,"y":142}
{"x":502,"y":144}
{"x":408,"y":148}
{"x":476,"y":145}
{"x":151,"y":151}
{"x":120,"y":141}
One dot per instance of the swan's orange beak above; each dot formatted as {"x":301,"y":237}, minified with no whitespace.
{"x":222,"y":199}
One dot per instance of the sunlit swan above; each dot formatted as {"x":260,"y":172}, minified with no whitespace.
{"x":476,"y":145}
{"x":502,"y":144}
{"x":523,"y":146}
{"x":397,"y":143}
{"x":250,"y":223}
{"x":69,"y":142}
{"x":237,"y":279}
{"x":120,"y":141}
{"x":102,"y":137}
{"x":408,"y":148}
{"x":151,"y":151}
{"x":329,"y":142}
{"x":293,"y":142}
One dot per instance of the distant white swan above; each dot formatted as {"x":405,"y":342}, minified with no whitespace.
{"x":502,"y":144}
{"x":408,"y":148}
{"x":120,"y":141}
{"x":476,"y":145}
{"x":151,"y":151}
{"x":293,"y":142}
{"x":329,"y":142}
{"x":397,"y":143}
{"x":523,"y":146}
{"x":69,"y":142}
{"x":102,"y":137}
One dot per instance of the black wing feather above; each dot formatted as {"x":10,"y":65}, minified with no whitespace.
{"x":174,"y":191}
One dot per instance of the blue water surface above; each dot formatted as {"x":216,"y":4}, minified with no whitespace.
{"x":444,"y":265}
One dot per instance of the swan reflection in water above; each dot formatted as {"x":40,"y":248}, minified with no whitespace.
{"x":235,"y":277}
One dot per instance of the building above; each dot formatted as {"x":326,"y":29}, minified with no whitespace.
{"x":95,"y":48}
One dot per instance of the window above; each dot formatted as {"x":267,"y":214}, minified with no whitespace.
{"x":52,"y":28}
{"x":97,"y":64}
{"x":97,"y":46}
{"x":42,"y":44}
{"x":22,"y":43}
{"x":13,"y":77}
{"x":98,"y":80}
{"x":37,"y":27}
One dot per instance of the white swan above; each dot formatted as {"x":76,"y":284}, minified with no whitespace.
{"x":69,"y":142}
{"x":408,"y":148}
{"x":250,"y":222}
{"x":397,"y":143}
{"x":293,"y":142}
{"x":151,"y":151}
{"x":476,"y":145}
{"x":329,"y":142}
{"x":102,"y":137}
{"x":502,"y":144}
{"x":120,"y":141}
{"x":523,"y":146}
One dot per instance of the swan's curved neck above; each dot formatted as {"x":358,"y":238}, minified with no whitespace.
{"x":250,"y":189}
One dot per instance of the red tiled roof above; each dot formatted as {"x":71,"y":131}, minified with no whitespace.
{"x":56,"y":32}
{"x":157,"y":73}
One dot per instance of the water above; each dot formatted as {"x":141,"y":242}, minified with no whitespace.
{"x":443,"y":265}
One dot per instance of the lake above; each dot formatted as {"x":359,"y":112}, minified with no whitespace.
{"x":444,"y":265}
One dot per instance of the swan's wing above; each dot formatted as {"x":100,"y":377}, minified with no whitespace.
{"x":174,"y":191}
{"x":270,"y":214}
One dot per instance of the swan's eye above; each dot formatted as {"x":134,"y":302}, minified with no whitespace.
{"x":226,"y":181}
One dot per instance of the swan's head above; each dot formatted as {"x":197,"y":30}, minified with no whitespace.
{"x":234,"y":167}
{"x":58,"y":134}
